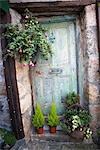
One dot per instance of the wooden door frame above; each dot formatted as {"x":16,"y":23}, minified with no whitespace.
{"x":39,"y":9}
{"x":11,"y":83}
{"x":52,"y":8}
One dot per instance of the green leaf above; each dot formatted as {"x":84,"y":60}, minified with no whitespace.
{"x":30,"y":38}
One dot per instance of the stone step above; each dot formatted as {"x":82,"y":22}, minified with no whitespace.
{"x":44,"y":145}
{"x":58,"y":141}
{"x":58,"y":137}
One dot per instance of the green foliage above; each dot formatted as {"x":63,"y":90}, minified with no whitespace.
{"x":74,"y":119}
{"x":71,"y":99}
{"x":28,"y":42}
{"x":53,"y":119}
{"x":38,"y":118}
{"x":84,"y":117}
{"x":7,"y":136}
{"x":65,"y":127}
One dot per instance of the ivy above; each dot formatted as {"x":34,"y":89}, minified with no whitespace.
{"x":28,"y":42}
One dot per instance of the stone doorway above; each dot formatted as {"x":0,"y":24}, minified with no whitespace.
{"x":88,"y":56}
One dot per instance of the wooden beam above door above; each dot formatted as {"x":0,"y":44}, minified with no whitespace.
{"x":54,"y":6}
{"x":47,"y":3}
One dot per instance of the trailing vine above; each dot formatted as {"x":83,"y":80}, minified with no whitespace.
{"x":28,"y":42}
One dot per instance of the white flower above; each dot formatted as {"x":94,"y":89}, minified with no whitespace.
{"x":26,"y":16}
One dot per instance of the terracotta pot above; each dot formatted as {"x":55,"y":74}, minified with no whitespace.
{"x":40,"y":130}
{"x":77,"y":135}
{"x":52,"y":129}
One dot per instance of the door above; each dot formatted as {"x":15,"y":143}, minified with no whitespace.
{"x":54,"y":78}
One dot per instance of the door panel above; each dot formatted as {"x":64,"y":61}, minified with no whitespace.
{"x":54,"y":78}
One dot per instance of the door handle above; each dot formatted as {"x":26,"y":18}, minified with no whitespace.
{"x":55,"y":71}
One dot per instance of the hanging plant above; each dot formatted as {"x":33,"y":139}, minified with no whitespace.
{"x":28,"y":42}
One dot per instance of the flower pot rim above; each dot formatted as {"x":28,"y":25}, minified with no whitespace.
{"x":52,"y":126}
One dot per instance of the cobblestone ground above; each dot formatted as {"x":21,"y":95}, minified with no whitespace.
{"x":42,"y":145}
{"x":50,"y":143}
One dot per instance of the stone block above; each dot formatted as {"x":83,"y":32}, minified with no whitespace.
{"x":93,"y":93}
{"x":94,"y":109}
{"x":91,"y":37}
{"x":93,"y":71}
{"x":24,"y":87}
{"x":15,"y":17}
{"x":90,"y":15}
{"x":27,"y":123}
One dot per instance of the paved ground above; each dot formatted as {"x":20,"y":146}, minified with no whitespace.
{"x":53,"y":142}
{"x":51,"y":145}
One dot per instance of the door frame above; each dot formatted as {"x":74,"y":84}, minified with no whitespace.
{"x":68,"y":7}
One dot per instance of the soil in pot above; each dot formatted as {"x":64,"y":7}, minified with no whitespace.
{"x":40,"y":130}
{"x":52,"y":130}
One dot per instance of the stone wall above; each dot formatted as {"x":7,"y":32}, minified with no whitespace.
{"x":88,"y":72}
{"x":23,"y":82}
{"x":4,"y":109}
{"x":24,"y":89}
{"x":93,"y":78}
{"x":83,"y":60}
{"x":88,"y":56}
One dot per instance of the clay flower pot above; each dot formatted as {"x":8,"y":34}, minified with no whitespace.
{"x":78,"y":135}
{"x":52,"y":130}
{"x":40,"y":130}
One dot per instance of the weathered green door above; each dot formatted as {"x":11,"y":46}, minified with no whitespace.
{"x":54,"y":78}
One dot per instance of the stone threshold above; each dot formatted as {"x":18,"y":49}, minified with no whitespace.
{"x":58,"y":137}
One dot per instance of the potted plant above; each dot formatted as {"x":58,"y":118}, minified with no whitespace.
{"x":71,"y":99}
{"x":38,"y":119}
{"x":28,"y":42}
{"x":76,"y":123}
{"x":53,"y":119}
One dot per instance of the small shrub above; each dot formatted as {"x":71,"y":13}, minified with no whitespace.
{"x":38,"y":118}
{"x":8,"y":137}
{"x":53,"y":119}
{"x":71,"y":98}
